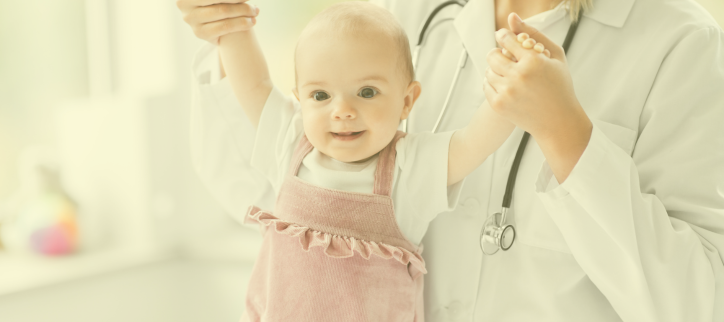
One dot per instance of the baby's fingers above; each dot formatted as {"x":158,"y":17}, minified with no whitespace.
{"x":529,"y":43}
{"x":522,"y":37}
{"x":525,"y":40}
{"x":539,"y":48}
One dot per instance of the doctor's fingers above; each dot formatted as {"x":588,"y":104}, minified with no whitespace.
{"x":213,"y":30}
{"x":217,"y":12}
{"x":494,"y":79}
{"x":186,"y":5}
{"x":490,"y":93}
{"x":498,"y":62}
{"x":508,"y":40}
{"x":496,"y":82}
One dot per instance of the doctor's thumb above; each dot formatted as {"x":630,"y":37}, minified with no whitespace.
{"x":516,"y":24}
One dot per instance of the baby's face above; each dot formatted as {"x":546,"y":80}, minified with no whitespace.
{"x":353,"y":93}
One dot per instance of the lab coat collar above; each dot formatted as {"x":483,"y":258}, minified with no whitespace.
{"x":481,"y":13}
{"x":476,"y":23}
{"x":610,"y":12}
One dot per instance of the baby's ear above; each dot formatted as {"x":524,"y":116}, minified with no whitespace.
{"x":413,"y":92}
{"x":296,"y":93}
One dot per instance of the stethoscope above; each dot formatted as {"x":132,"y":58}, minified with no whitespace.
{"x":496,"y":234}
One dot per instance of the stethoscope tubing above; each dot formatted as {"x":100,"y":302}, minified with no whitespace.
{"x":461,"y":64}
{"x":416,"y":54}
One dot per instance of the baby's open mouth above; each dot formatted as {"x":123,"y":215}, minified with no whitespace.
{"x":347,"y":136}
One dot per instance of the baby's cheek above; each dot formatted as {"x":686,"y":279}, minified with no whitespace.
{"x":385,"y":130}
{"x":313,"y":127}
{"x":384,"y":126}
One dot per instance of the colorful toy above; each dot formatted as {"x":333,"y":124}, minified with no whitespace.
{"x":40,"y":218}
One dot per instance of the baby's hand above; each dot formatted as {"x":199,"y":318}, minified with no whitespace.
{"x":528,"y":43}
{"x":211,"y":19}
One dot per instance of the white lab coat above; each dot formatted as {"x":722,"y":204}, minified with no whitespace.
{"x":636,"y":230}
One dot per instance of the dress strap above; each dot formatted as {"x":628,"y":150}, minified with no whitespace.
{"x":302,"y":149}
{"x":385,"y":172}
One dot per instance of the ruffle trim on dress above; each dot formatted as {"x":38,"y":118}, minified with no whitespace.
{"x":338,"y":246}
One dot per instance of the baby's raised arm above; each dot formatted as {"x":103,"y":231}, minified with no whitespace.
{"x":487,"y":131}
{"x":247,"y":71}
{"x":471,"y":145}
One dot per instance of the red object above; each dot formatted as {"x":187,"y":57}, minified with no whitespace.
{"x":53,"y":240}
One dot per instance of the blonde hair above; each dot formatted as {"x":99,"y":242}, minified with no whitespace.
{"x":576,"y":6}
{"x":356,"y":17}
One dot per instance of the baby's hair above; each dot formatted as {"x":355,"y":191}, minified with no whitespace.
{"x":357,"y":17}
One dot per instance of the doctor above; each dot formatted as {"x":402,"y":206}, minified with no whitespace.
{"x":619,"y":199}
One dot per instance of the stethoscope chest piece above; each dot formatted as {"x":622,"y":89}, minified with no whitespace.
{"x":495,"y":236}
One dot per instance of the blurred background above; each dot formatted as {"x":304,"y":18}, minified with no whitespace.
{"x":102,"y":217}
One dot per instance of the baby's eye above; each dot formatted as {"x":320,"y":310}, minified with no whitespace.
{"x":367,"y":92}
{"x":320,"y":96}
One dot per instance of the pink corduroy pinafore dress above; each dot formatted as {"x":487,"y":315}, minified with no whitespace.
{"x":331,"y":255}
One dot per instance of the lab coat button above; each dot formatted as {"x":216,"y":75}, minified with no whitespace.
{"x":470,"y":203}
{"x":455,"y":309}
{"x":470,"y":207}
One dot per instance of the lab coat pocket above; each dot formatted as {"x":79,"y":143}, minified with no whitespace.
{"x":537,"y":229}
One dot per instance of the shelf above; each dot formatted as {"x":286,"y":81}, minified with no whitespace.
{"x":24,"y":272}
{"x":177,"y":290}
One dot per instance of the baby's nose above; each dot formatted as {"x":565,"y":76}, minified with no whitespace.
{"x":344,"y":116}
{"x":344,"y":111}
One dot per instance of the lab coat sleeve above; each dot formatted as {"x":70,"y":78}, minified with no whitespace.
{"x":222,"y":139}
{"x":648,"y":229}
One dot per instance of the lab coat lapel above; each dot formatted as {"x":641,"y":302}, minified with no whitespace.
{"x":476,"y":27}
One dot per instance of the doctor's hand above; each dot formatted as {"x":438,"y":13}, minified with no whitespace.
{"x":535,"y":93}
{"x":531,"y":90}
{"x":211,"y":19}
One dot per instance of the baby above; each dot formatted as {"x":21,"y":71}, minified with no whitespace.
{"x":355,"y":195}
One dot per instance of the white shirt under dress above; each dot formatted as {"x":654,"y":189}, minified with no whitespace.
{"x":419,"y":190}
